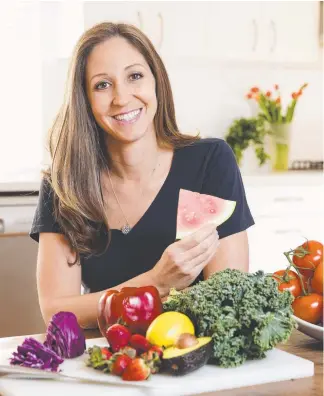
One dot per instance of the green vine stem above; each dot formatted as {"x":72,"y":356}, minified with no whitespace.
{"x":291,"y":264}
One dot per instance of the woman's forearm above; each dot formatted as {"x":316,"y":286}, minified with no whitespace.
{"x":85,"y":307}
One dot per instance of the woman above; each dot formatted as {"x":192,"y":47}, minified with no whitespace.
{"x":107,"y":209}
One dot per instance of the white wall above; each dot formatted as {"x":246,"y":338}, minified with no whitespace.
{"x":208,"y":95}
{"x":208,"y":98}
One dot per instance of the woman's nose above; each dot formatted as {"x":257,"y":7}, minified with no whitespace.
{"x":121,"y":95}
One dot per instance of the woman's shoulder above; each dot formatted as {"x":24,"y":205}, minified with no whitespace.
{"x":206,"y":147}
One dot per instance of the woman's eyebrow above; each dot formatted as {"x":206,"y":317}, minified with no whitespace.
{"x":134,"y":64}
{"x":105,"y":74}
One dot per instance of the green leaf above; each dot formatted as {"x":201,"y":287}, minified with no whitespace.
{"x":276,"y":327}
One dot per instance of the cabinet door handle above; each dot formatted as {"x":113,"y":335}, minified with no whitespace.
{"x":140,"y":20}
{"x":288,"y":199}
{"x":255,"y":35}
{"x":274,"y":36}
{"x":159,"y":44}
{"x":2,"y":226}
{"x":287,"y":231}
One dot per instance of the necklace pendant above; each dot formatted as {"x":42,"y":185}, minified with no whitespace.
{"x":126,"y":229}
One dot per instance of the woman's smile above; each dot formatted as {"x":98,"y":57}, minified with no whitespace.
{"x":127,"y":118}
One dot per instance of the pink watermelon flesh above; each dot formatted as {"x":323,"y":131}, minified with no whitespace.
{"x":196,"y":210}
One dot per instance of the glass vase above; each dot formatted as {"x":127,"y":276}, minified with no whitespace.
{"x":280,"y":138}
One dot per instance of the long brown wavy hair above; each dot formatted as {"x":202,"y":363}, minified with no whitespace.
{"x":76,"y":142}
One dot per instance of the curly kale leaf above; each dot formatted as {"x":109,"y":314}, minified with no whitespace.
{"x":245,"y":314}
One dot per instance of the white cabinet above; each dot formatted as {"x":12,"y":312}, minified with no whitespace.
{"x":233,"y":30}
{"x":271,"y":31}
{"x":269,"y":238}
{"x":290,"y":31}
{"x":176,"y":29}
{"x":144,"y":15}
{"x":285,"y":216}
{"x":276,"y":31}
{"x":111,"y":11}
{"x":183,"y":32}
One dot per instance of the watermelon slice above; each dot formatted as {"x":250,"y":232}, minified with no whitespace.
{"x":196,"y":210}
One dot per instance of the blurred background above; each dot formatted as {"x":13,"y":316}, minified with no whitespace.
{"x":249,"y":72}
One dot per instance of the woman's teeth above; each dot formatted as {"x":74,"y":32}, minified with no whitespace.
{"x":128,"y":116}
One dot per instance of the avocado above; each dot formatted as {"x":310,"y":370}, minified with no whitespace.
{"x":181,"y":361}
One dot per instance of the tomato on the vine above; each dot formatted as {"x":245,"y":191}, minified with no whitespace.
{"x":307,"y":257}
{"x":317,"y":280}
{"x":309,"y":307}
{"x":288,"y":280}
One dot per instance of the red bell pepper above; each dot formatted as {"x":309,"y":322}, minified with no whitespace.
{"x":134,"y":307}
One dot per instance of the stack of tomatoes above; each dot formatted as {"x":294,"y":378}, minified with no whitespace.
{"x":303,"y":277}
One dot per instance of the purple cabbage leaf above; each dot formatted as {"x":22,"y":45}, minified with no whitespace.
{"x":34,"y":354}
{"x":64,"y":335}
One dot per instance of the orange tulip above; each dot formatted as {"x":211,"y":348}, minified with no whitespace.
{"x":255,"y":89}
{"x":249,"y":96}
{"x":268,"y":94}
{"x":294,"y":95}
{"x":276,"y":87}
{"x":278,"y":100}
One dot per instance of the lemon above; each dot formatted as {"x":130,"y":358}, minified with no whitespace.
{"x":166,"y":328}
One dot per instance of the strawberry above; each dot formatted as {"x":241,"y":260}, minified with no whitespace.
{"x":137,"y":370}
{"x":119,"y":363}
{"x":140,"y":343}
{"x":106,"y":353}
{"x":118,"y":336}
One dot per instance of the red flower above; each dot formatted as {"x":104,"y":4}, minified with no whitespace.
{"x":268,"y":94}
{"x":249,"y":96}
{"x":276,"y":87}
{"x":278,"y":100}
{"x":255,"y":89}
{"x":294,"y":95}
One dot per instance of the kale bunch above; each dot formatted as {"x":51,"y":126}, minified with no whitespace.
{"x":245,"y":314}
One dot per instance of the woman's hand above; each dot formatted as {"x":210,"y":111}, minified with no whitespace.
{"x":182,"y":261}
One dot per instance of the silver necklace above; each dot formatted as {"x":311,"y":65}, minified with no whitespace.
{"x":126,"y":228}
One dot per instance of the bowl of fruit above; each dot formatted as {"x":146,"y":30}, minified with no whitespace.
{"x":303,"y":277}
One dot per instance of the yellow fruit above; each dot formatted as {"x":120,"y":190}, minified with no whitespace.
{"x":167,"y":327}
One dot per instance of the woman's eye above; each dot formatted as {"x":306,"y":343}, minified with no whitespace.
{"x":102,"y":85}
{"x":136,"y":76}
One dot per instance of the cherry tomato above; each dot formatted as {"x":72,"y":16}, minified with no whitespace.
{"x":308,"y":255}
{"x":309,"y":308}
{"x":288,"y":280}
{"x":317,"y":280}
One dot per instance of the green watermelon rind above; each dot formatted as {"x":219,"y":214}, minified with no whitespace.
{"x":227,"y":213}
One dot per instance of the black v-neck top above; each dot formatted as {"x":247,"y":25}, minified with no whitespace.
{"x":207,"y":166}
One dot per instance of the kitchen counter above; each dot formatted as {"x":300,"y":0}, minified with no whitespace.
{"x":289,"y":178}
{"x":254,"y":179}
{"x":298,"y":344}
